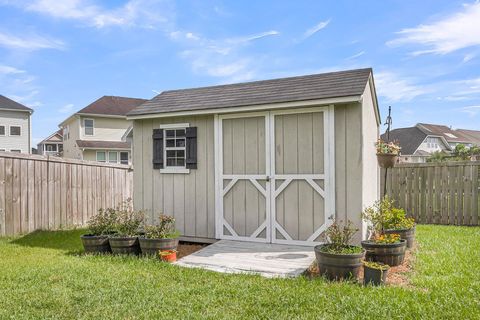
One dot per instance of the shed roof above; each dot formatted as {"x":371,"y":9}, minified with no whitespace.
{"x":309,"y":87}
{"x":9,"y":104}
{"x":112,"y":105}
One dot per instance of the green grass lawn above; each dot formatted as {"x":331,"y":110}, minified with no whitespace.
{"x":43,"y":276}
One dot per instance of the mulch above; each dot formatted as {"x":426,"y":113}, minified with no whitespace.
{"x":187,"y":248}
{"x":397,"y":276}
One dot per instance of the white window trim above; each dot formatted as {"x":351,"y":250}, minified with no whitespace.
{"x":96,"y":156}
{"x":4,"y":130}
{"x":93,"y":127}
{"x":106,"y":151}
{"x":166,"y":169}
{"x":14,"y":135}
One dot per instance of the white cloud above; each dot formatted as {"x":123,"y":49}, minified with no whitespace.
{"x":10,"y":70}
{"x":472,"y":111}
{"x":454,"y":32}
{"x":319,"y":26}
{"x":395,"y":88}
{"x":30,"y":43}
{"x":255,"y":36}
{"x":468,"y":57}
{"x":361,"y":53}
{"x":140,"y":13}
{"x":68,"y":108}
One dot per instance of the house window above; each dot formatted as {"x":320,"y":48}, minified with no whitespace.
{"x":66,"y":133}
{"x":2,"y":130}
{"x":124,"y":157}
{"x":15,"y":130}
{"x":112,"y":156}
{"x":175,"y":148}
{"x":16,"y":150}
{"x":101,"y":156}
{"x":2,"y":150}
{"x":51,"y":147}
{"x":88,"y":126}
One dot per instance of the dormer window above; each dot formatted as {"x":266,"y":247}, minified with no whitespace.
{"x":88,"y":127}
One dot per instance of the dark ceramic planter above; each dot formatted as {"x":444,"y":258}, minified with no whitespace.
{"x":154,"y":246}
{"x":338,"y":266}
{"x":405,"y":234}
{"x":373,"y":276}
{"x":125,"y":245}
{"x":96,"y":244}
{"x":387,"y":160}
{"x":392,"y":254}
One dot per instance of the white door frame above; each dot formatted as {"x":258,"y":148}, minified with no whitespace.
{"x":269,"y":192}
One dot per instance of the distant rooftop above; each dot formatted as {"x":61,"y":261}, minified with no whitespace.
{"x":112,"y":105}
{"x":9,"y":104}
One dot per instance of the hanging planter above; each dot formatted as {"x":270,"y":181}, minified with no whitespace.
{"x":387,"y":153}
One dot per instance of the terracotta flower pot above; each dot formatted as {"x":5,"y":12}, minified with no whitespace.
{"x":387,"y":160}
{"x":168,"y":255}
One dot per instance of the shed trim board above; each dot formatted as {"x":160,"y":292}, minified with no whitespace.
{"x":224,"y":183}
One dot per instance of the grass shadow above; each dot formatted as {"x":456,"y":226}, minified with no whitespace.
{"x":65,"y":240}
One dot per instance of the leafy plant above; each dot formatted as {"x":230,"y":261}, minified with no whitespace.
{"x":387,"y":238}
{"x":384,"y":147}
{"x":164,"y":230}
{"x":396,"y":219}
{"x":103,"y":223}
{"x":376,"y":215}
{"x":339,"y":238}
{"x":376,"y":265}
{"x":127,"y":220}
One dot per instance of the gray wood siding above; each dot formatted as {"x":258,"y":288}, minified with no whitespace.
{"x":244,"y":153}
{"x":190,"y":198}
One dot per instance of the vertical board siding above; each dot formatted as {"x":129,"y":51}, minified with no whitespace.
{"x":438,"y":193}
{"x":42,"y":192}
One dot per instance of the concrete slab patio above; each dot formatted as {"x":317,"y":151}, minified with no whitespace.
{"x":268,"y":260}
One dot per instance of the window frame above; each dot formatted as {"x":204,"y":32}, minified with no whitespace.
{"x":16,"y":150}
{"x":85,"y":127}
{"x":4,"y":130}
{"x":14,"y":135}
{"x":107,"y":156}
{"x":101,"y":151}
{"x":174,"y":169}
{"x":120,"y":157}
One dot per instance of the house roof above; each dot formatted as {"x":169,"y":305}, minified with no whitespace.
{"x":408,"y":138}
{"x":112,"y":105}
{"x":58,"y":132}
{"x":309,"y":87}
{"x":9,"y":104}
{"x":474,"y":135}
{"x":90,"y":144}
{"x":442,"y":131}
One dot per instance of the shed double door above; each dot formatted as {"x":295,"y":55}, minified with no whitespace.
{"x":275,"y":175}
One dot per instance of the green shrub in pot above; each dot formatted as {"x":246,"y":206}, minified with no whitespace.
{"x":127,"y":225}
{"x":100,"y":227}
{"x":159,"y":237}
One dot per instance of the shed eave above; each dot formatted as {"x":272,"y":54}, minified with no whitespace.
{"x":269,"y":106}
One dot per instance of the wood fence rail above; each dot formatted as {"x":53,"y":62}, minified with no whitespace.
{"x":45,"y":192}
{"x":438,"y":193}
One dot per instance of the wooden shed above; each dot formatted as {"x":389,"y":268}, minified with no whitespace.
{"x":269,"y":161}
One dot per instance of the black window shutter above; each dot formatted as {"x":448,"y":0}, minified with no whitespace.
{"x":157,"y":148}
{"x":191,"y":148}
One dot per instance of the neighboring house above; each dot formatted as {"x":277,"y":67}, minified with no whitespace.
{"x":15,"y":126}
{"x":52,"y":145}
{"x":268,"y":161}
{"x":95,"y":133}
{"x":421,"y":141}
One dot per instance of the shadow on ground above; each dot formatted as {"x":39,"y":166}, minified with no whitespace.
{"x":65,"y":240}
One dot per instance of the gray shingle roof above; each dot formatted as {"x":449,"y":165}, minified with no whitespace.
{"x":112,"y":105}
{"x":6,"y":103}
{"x":443,"y":131}
{"x":408,"y":138}
{"x":316,"y":86}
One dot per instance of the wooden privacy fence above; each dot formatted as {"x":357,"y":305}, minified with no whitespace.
{"x":44,"y":192}
{"x":439,"y":193}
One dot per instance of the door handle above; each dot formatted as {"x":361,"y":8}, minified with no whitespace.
{"x":268,"y":179}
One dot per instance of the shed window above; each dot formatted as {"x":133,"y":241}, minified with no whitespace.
{"x":15,"y":130}
{"x":175,"y":148}
{"x":2,"y":130}
{"x":88,"y":127}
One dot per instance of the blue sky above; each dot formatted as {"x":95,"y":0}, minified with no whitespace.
{"x":58,"y":56}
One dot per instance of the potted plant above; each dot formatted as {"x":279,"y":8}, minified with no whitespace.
{"x":337,"y":259}
{"x":397,"y":222}
{"x":374,"y":273}
{"x":160,"y":237}
{"x":168,"y":255}
{"x":382,"y":247}
{"x":125,"y":239}
{"x":100,"y":227}
{"x":387,"y":153}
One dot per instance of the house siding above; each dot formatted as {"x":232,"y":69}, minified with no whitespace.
{"x":15,"y":118}
{"x":190,"y":198}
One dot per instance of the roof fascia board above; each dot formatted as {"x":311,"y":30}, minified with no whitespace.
{"x":269,"y":106}
{"x":16,"y":110}
{"x":101,"y":115}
